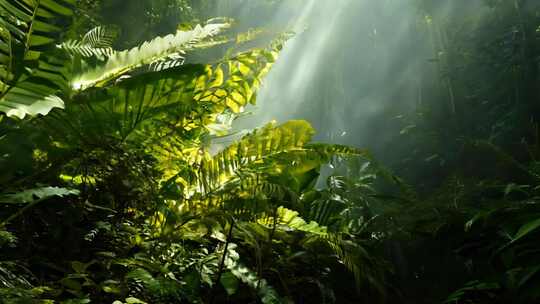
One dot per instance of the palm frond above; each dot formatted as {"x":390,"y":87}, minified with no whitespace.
{"x":122,"y":108}
{"x":27,"y":28}
{"x":32,"y":23}
{"x":29,"y":98}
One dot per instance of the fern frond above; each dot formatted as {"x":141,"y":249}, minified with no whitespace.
{"x":323,"y":210}
{"x":99,"y":37}
{"x":158,"y":286}
{"x":171,"y":61}
{"x":255,"y":147}
{"x":266,"y":293}
{"x":292,"y":220}
{"x":235,"y":81}
{"x":155,"y":50}
{"x":96,"y":43}
{"x":271,"y":151}
{"x":367,"y":271}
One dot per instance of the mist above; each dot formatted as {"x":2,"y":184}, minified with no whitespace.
{"x":353,"y":69}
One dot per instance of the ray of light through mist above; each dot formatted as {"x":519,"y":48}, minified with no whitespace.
{"x":351,"y":69}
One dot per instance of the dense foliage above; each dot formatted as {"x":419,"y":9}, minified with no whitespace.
{"x":112,"y":189}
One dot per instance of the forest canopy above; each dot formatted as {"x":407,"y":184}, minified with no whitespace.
{"x":269,"y":151}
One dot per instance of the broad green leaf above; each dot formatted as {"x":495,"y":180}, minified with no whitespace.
{"x":229,"y":282}
{"x":31,"y":195}
{"x":29,"y":99}
{"x":526,"y":229}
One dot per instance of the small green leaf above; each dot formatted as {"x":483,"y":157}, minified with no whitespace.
{"x":111,"y":289}
{"x":229,"y":282}
{"x":132,"y":300}
{"x":78,"y":267}
{"x":526,"y":229}
{"x":71,"y":284}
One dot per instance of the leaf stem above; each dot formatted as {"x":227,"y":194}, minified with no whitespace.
{"x":222,"y":262}
{"x":21,"y":211}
